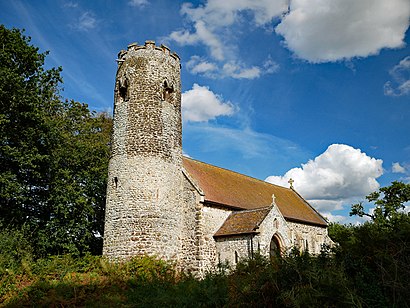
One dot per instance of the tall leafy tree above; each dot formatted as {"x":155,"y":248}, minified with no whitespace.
{"x":78,"y":174}
{"x":28,"y":93}
{"x":53,"y":154}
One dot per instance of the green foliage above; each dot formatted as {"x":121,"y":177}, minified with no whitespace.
{"x":297,"y":280}
{"x":26,"y":92}
{"x":15,"y":250}
{"x":53,"y":155}
{"x":332,"y":279}
{"x":388,"y":202}
{"x":376,"y":255}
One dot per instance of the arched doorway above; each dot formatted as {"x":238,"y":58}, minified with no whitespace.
{"x":275,"y":246}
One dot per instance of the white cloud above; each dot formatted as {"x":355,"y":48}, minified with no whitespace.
{"x":198,"y":65}
{"x":185,"y":154}
{"x":335,"y":177}
{"x":237,"y":70}
{"x":332,"y":30}
{"x":216,"y":13}
{"x":203,"y":35}
{"x":86,"y":21}
{"x":334,"y":218}
{"x":270,"y":66}
{"x":138,"y":3}
{"x":211,"y":25}
{"x":397,"y":168}
{"x":401,"y":79}
{"x":201,"y":104}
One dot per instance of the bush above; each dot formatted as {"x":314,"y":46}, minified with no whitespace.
{"x":15,"y":250}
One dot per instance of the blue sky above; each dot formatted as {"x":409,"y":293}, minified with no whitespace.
{"x":314,"y":90}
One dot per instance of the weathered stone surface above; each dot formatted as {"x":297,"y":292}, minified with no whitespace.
{"x":145,"y":178}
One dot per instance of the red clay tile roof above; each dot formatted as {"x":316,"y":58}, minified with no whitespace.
{"x":243,"y":222}
{"x":231,"y":189}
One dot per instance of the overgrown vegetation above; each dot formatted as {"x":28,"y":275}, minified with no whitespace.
{"x":355,"y":277}
{"x":53,"y":168}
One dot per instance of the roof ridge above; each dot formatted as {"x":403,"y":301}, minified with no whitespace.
{"x":252,"y":210}
{"x":241,"y":174}
{"x":316,"y":211}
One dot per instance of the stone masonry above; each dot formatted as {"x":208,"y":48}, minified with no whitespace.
{"x":144,"y":177}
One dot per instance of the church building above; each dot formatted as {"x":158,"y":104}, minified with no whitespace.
{"x":177,"y":208}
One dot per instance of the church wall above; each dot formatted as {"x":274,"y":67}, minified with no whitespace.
{"x":308,"y":237}
{"x":191,"y":228}
{"x":212,"y":218}
{"x":234,"y":248}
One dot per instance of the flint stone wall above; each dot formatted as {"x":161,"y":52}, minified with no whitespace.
{"x":308,"y":237}
{"x":144,"y":193}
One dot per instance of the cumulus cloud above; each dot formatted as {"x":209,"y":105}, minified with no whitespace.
{"x":397,"y":168}
{"x":331,"y":30}
{"x":335,"y":177}
{"x":201,"y":104}
{"x":401,"y":79}
{"x":86,"y":21}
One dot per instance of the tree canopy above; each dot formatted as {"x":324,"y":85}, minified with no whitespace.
{"x":53,"y":154}
{"x":376,"y":254}
{"x":389,"y":203}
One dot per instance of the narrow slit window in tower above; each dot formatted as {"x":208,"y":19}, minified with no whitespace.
{"x":168,"y":89}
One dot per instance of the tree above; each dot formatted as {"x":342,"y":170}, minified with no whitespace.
{"x":376,"y":254}
{"x":78,"y":175}
{"x":27,"y":93}
{"x":389,"y":202}
{"x":53,"y":155}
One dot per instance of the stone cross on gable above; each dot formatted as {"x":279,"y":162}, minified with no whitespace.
{"x":291,"y":181}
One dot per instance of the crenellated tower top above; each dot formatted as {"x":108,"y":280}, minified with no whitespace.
{"x":149,"y":45}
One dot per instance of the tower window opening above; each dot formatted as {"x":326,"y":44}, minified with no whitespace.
{"x":116,"y":182}
{"x":123,"y":92}
{"x":168,"y":89}
{"x":123,"y":87}
{"x":236,"y":257}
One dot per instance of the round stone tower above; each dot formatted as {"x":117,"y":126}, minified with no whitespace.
{"x":143,"y":209}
